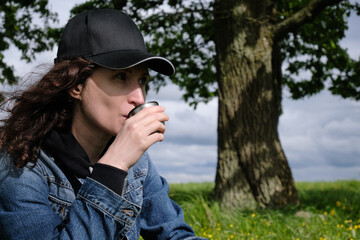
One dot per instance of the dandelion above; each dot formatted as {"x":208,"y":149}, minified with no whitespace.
{"x":325,"y":213}
{"x":253,"y":215}
{"x":338,"y":204}
{"x":231,"y":225}
{"x":332,"y":213}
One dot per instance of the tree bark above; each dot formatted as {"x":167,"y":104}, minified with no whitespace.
{"x":252,"y":168}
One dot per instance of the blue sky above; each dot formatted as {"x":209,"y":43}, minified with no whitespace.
{"x":320,"y":135}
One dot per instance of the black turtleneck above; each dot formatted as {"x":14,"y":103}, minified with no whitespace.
{"x":74,"y":162}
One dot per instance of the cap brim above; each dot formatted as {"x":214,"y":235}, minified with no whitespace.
{"x":126,"y":59}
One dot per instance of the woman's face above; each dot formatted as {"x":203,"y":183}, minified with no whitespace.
{"x":109,"y":95}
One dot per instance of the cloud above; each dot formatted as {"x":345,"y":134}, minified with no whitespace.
{"x":325,"y":173}
{"x":321,"y":132}
{"x":184,"y":163}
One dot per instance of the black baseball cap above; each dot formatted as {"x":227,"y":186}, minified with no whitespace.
{"x":110,"y":39}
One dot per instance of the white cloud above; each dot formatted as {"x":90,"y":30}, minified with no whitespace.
{"x":320,"y":133}
{"x":174,"y":161}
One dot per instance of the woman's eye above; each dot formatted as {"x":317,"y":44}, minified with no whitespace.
{"x":121,"y":76}
{"x":143,"y":81}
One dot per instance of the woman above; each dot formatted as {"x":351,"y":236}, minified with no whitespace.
{"x":73,"y":165}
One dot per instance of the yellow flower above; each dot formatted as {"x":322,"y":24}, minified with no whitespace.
{"x":253,"y":215}
{"x":332,"y":213}
{"x":231,"y":225}
{"x":325,"y":213}
{"x":338,"y":203}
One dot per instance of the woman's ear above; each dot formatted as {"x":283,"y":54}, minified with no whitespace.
{"x":76,"y":92}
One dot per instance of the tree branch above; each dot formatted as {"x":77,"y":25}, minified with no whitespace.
{"x":307,"y":14}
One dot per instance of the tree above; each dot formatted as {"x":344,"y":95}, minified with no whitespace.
{"x":252,"y":38}
{"x":17,"y":27}
{"x":236,"y":49}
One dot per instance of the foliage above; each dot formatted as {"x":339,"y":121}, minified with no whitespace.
{"x":19,"y":28}
{"x":182,"y":31}
{"x":330,"y":210}
{"x":313,"y":52}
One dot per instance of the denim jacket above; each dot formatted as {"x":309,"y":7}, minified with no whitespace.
{"x":38,"y":202}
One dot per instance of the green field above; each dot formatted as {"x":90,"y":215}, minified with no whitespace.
{"x":329,"y":210}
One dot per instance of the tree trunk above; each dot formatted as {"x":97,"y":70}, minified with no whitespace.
{"x":252,"y":168}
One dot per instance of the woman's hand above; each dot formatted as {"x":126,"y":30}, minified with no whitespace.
{"x":137,"y":134}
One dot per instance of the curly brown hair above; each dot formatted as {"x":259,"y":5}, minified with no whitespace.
{"x":44,"y":106}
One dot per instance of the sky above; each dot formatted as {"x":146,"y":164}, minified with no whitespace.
{"x":320,"y":135}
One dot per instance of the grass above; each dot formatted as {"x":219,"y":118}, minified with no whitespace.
{"x":329,"y":210}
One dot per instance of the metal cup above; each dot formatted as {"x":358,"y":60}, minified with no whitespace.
{"x":142,"y":106}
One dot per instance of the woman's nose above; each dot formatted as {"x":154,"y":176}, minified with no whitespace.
{"x":136,"y":96}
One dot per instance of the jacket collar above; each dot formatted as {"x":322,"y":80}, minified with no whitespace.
{"x":67,"y":152}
